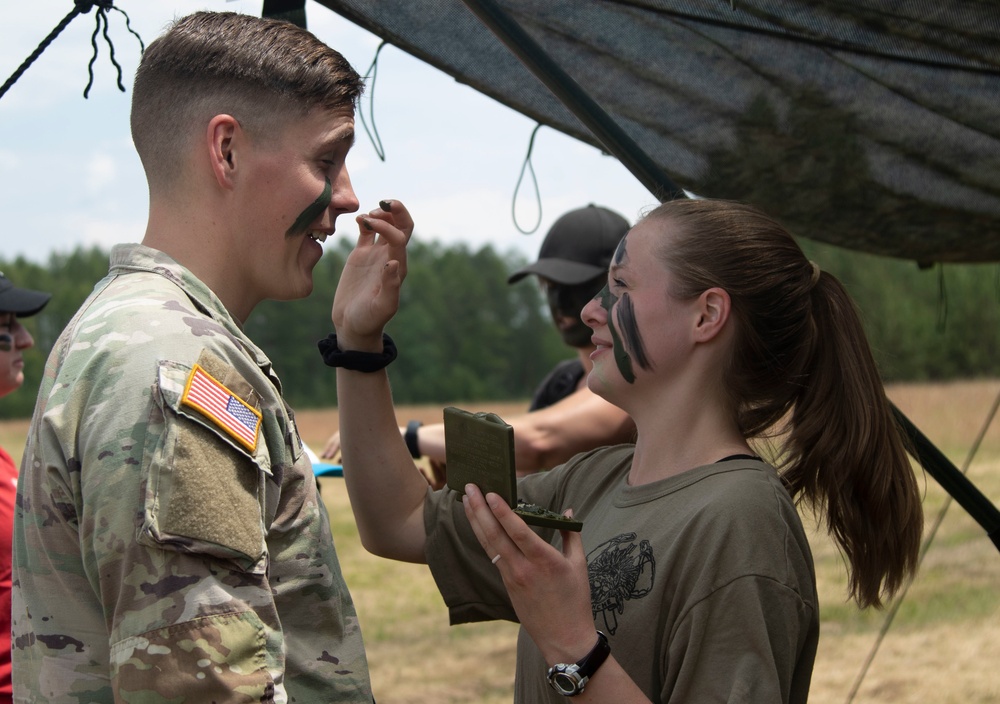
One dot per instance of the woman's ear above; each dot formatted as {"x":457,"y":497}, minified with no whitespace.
{"x":713,"y":311}
{"x":221,"y":137}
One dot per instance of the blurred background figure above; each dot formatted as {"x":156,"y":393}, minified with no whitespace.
{"x":15,"y":303}
{"x":564,"y":417}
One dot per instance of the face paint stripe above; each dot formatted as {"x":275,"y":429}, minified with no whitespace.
{"x":620,"y":250}
{"x":621,"y":356}
{"x":313,"y":211}
{"x":630,"y":329}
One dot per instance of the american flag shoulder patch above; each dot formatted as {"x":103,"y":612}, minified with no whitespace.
{"x":212,"y":399}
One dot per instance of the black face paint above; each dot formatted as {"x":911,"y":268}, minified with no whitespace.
{"x":568,"y":302}
{"x":620,"y":250}
{"x":313,"y":211}
{"x":630,"y":329}
{"x":622,"y":359}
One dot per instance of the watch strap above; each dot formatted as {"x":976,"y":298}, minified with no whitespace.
{"x":596,"y":657}
{"x":410,"y":438}
{"x":579,"y":673}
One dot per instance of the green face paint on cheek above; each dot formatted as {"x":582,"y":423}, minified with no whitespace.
{"x":622,"y":358}
{"x":313,"y":211}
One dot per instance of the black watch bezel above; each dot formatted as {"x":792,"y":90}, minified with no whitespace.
{"x":571,"y":679}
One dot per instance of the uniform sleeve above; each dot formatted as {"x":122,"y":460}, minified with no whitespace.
{"x":142,"y":559}
{"x":469,"y":583}
{"x":743,"y":644}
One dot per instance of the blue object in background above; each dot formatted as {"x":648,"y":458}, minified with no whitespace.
{"x":321,"y":469}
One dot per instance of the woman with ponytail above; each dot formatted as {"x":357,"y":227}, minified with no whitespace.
{"x":753,"y":391}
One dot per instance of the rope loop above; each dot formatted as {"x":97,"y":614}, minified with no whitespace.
{"x":373,"y":135}
{"x":538,"y":196}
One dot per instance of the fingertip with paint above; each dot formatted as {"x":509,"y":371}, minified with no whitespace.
{"x":366,"y":223}
{"x":385,"y":205}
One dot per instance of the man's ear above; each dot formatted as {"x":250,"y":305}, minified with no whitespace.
{"x":221,"y":137}
{"x":713,"y":308}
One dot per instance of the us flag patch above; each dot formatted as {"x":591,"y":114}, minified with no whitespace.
{"x":221,"y":406}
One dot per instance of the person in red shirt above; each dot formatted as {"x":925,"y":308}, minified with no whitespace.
{"x":15,"y":303}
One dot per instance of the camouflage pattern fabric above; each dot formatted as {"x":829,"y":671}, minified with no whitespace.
{"x":157,"y":559}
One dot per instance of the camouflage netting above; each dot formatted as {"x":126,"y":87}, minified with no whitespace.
{"x":870,"y":125}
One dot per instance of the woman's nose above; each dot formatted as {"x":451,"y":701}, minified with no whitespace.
{"x":593,"y":314}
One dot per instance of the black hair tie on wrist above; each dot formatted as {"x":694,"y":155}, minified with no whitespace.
{"x":355,"y":360}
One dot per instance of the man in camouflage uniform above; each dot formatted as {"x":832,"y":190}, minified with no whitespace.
{"x":170,"y":544}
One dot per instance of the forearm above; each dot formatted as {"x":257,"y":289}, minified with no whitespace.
{"x":580,"y":422}
{"x":386,"y":494}
{"x":430,"y":442}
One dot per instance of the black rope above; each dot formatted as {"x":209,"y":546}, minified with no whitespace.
{"x":102,"y":26}
{"x":538,"y":196}
{"x":373,"y":134}
{"x":40,"y":48}
{"x":81,"y":7}
{"x":894,"y":609}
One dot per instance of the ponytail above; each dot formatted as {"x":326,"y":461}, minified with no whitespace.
{"x":845,"y":453}
{"x":800,"y":356}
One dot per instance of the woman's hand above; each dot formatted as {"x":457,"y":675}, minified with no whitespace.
{"x":549,"y":588}
{"x":368,"y":292}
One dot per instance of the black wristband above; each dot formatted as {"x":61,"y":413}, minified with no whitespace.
{"x":410,"y":437}
{"x":355,"y":360}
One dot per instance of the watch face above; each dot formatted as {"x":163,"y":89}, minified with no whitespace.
{"x":565,"y":684}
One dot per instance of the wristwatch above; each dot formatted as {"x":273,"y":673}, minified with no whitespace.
{"x":569,"y":680}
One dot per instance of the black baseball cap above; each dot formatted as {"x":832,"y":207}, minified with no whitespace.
{"x":22,"y":302}
{"x":578,"y":247}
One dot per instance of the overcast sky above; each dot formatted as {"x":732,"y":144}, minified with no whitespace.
{"x":70,"y":175}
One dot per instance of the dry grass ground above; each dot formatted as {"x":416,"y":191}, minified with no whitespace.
{"x":943,"y":647}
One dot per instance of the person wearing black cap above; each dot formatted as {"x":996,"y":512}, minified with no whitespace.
{"x":565,"y":417}
{"x":15,"y":303}
{"x":572,"y":266}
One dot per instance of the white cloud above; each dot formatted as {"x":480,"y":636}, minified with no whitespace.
{"x":102,"y":169}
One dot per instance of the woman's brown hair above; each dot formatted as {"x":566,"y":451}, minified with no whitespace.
{"x":800,"y":353}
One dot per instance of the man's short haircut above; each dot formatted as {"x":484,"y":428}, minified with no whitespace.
{"x":261,"y":71}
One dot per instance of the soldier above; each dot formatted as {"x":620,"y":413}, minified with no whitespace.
{"x":15,"y":303}
{"x":170,"y":541}
{"x":691,"y":579}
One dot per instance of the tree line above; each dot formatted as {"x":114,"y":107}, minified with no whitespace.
{"x":464,"y":334}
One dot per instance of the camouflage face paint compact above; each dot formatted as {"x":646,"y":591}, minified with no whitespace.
{"x":313,"y":211}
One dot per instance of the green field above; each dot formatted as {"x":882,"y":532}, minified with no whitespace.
{"x":943,"y":647}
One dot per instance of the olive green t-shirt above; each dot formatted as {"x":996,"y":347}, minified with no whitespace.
{"x":703,"y":582}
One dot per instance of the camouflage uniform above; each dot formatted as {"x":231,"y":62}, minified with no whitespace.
{"x":156,"y":558}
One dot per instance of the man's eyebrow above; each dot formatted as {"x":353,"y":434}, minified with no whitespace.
{"x":340,"y":137}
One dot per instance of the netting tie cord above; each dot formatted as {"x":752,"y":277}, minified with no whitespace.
{"x":942,"y":322}
{"x":102,"y":24}
{"x":80,"y":7}
{"x":373,"y":135}
{"x":538,"y":196}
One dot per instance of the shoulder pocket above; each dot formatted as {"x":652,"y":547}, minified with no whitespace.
{"x":205,"y":488}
